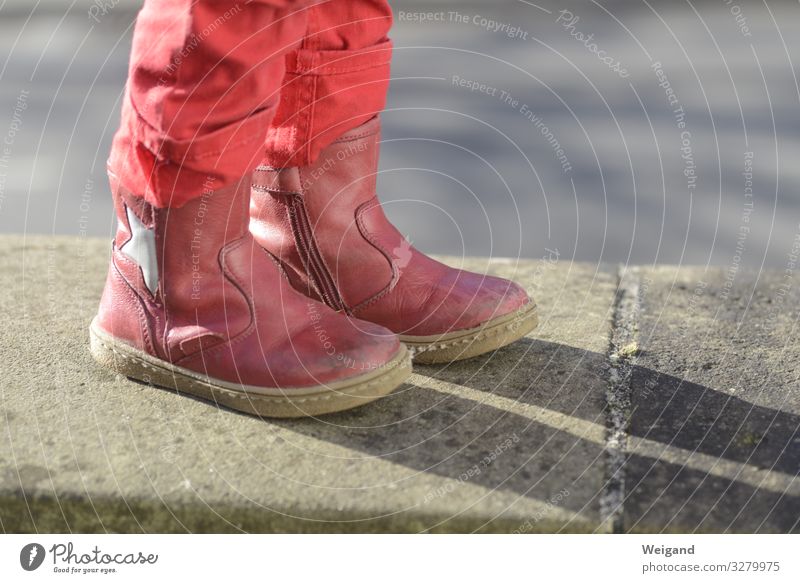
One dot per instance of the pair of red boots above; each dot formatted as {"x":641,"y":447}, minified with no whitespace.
{"x":290,"y":294}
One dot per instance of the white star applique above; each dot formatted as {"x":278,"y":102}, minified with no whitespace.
{"x":141,"y":247}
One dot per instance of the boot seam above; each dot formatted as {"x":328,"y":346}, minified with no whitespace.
{"x":278,"y":263}
{"x":230,"y":276}
{"x":144,"y":328}
{"x":370,"y":239}
{"x":339,"y":299}
{"x":268,"y":190}
{"x":240,"y":336}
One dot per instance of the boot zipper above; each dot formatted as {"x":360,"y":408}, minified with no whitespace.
{"x":315,"y":266}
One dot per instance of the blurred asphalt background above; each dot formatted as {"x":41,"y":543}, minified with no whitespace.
{"x":466,"y":172}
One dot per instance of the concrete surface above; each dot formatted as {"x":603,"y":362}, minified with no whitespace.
{"x":715,"y":418}
{"x":632,"y":407}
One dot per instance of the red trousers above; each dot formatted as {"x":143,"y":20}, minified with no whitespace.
{"x":217,"y":87}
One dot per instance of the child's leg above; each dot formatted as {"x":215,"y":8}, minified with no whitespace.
{"x":204,"y":85}
{"x":190,"y":302}
{"x":335,"y":80}
{"x":321,"y":168}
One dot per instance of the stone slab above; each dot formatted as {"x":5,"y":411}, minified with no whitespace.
{"x":507,"y":442}
{"x":714,"y":440}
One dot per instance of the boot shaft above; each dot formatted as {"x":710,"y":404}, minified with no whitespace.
{"x":167,"y":290}
{"x":325,"y":223}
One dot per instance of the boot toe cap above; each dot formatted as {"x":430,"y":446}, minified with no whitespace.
{"x":469,"y":300}
{"x":337,"y":348}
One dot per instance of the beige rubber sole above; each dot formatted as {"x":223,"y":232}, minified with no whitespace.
{"x":261,"y":401}
{"x":462,"y":344}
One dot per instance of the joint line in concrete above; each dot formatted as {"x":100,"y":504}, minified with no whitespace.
{"x":623,"y":348}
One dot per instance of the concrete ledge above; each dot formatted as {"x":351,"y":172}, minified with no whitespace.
{"x":639,"y":404}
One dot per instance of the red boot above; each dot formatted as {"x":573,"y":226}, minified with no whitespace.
{"x":326,"y":226}
{"x":179,"y":310}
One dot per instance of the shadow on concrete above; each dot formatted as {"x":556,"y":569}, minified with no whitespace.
{"x":449,"y":432}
